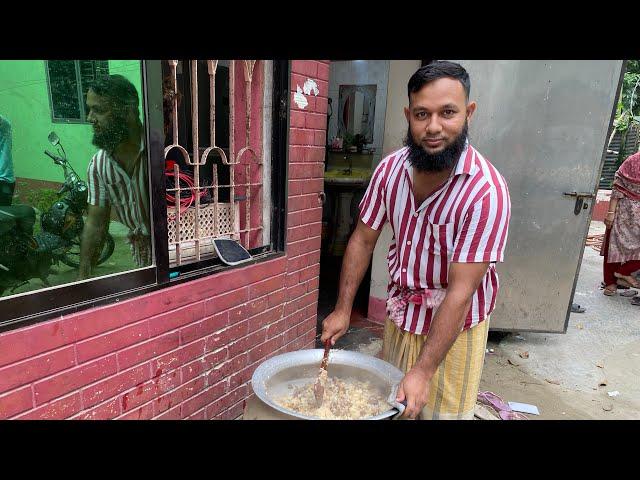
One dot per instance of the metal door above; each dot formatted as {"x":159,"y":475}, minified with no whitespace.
{"x":544,"y":125}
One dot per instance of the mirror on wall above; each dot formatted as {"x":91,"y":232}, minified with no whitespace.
{"x":356,"y":111}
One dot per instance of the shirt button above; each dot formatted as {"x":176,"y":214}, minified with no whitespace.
{"x":415,"y":214}
{"x":409,"y":242}
{"x":404,"y":270}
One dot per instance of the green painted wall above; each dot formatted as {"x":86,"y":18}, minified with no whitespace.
{"x":24,"y":100}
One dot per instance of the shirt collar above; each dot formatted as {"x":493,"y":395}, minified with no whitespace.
{"x":466,"y":164}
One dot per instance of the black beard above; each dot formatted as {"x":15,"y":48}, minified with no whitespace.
{"x":435,"y":162}
{"x":111,"y":136}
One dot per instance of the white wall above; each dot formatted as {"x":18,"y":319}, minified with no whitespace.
{"x":395,"y":129}
{"x":361,"y":72}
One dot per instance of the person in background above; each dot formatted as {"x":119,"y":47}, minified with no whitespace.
{"x":118,"y":174}
{"x":7,"y":179}
{"x":621,"y":246}
{"x":449,"y":211}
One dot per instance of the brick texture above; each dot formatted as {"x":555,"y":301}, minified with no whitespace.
{"x":187,"y":351}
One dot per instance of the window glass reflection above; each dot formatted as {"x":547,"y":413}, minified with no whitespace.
{"x":74,"y":196}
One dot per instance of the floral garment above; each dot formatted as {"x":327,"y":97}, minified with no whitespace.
{"x":624,"y":242}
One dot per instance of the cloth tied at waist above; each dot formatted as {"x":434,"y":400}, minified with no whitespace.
{"x":429,"y":297}
{"x":140,"y":244}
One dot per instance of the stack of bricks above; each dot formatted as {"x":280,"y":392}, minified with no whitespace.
{"x":186,"y":351}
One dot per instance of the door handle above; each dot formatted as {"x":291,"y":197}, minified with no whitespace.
{"x":579,"y":196}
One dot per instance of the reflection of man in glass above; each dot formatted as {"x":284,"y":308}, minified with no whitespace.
{"x":7,"y":180}
{"x":118,"y":173}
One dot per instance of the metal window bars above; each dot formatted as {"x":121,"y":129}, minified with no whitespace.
{"x":192,"y":228}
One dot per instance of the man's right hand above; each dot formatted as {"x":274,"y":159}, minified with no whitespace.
{"x":83,"y":274}
{"x":334,"y":326}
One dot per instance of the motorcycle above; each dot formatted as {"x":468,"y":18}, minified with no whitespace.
{"x":24,"y":256}
{"x":63,"y":222}
{"x":21,"y":255}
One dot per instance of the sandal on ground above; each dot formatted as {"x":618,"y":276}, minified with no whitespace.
{"x":610,"y":292}
{"x":636,"y":301}
{"x":503,"y":409}
{"x":575,"y":308}
{"x":629,"y":293}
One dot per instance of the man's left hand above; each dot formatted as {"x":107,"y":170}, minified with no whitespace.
{"x":414,"y":387}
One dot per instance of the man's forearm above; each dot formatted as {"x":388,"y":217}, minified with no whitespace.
{"x":444,"y":331}
{"x":91,"y":240}
{"x":354,"y":266}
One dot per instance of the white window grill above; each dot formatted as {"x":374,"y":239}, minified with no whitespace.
{"x":192,"y":228}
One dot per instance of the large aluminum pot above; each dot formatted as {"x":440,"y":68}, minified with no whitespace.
{"x":273,"y":377}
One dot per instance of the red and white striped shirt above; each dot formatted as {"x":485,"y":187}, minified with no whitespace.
{"x":109,"y":185}
{"x":465,"y":220}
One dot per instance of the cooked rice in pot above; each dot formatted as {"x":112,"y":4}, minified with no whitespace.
{"x":344,"y":399}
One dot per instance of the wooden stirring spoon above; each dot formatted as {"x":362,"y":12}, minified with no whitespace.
{"x":318,"y":387}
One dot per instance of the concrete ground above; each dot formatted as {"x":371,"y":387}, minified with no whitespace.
{"x":570,"y":375}
{"x":567,"y":376}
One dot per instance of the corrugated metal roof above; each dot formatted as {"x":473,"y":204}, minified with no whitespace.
{"x":629,"y":143}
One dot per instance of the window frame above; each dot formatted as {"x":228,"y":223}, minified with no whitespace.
{"x":47,"y":303}
{"x":186,"y":130}
{"x":83,"y":114}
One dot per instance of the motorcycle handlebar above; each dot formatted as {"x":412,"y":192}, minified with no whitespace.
{"x":55,"y":158}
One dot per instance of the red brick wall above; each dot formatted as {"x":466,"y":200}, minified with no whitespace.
{"x":187,"y":351}
{"x":601,"y":206}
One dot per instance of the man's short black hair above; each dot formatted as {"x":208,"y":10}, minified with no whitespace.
{"x":120,"y":91}
{"x":434,"y":71}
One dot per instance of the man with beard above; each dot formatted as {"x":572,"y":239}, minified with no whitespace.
{"x":449,"y":210}
{"x":118,"y":173}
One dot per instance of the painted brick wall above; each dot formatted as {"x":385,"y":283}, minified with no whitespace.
{"x":188,"y":351}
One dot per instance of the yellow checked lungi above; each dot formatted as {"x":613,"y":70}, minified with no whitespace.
{"x":454,"y":386}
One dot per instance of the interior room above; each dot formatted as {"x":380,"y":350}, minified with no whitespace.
{"x":355,"y":119}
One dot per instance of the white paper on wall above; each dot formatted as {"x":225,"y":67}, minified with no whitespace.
{"x":300,"y":100}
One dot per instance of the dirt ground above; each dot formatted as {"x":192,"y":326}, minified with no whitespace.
{"x":570,"y":375}
{"x":555,"y":402}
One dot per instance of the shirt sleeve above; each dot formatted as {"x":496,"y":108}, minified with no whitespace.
{"x":373,"y":211}
{"x":97,"y":192}
{"x":483,"y":235}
